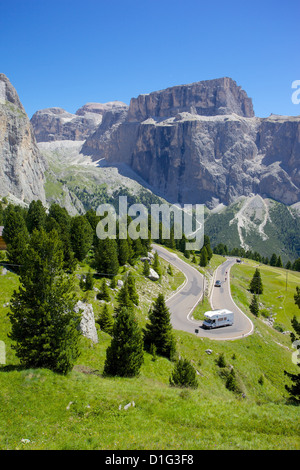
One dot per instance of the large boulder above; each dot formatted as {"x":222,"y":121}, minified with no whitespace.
{"x":87,"y":324}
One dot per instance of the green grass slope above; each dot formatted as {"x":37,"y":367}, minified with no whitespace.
{"x":84,"y":410}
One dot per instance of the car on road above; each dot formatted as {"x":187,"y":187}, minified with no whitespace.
{"x":218,"y":284}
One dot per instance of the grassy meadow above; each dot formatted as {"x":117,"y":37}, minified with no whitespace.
{"x":41,"y":410}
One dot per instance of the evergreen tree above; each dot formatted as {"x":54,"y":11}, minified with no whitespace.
{"x":123,"y":252}
{"x":59,"y":219}
{"x":89,"y":281}
{"x":203,"y":257}
{"x":256,"y":285}
{"x":208,"y":247}
{"x":146,"y":268}
{"x":170,"y":270}
{"x":104,"y":292}
{"x":106,"y":321}
{"x":16,"y":237}
{"x":288,"y":265}
{"x":231,"y":381}
{"x":130,"y":281}
{"x":297,"y":297}
{"x":61,"y":216}
{"x":36,"y":216}
{"x":296,"y":265}
{"x":106,"y":257}
{"x":221,"y":362}
{"x":82,"y":282}
{"x":273,"y":260}
{"x":44,"y":324}
{"x":81,"y":237}
{"x":124,"y":356}
{"x":159,"y":330}
{"x":183,"y":375}
{"x":123,"y":299}
{"x":279,"y":262}
{"x":182,"y":243}
{"x":156,"y":264}
{"x":254,"y":307}
{"x":294,"y":389}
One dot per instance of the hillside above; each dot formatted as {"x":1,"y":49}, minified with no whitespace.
{"x":78,"y":183}
{"x":52,"y":409}
{"x":256,"y":224}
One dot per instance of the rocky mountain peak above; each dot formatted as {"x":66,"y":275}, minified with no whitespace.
{"x":100,"y":108}
{"x":8,"y":93}
{"x":52,"y":124}
{"x":207,"y":98}
{"x":21,"y":165}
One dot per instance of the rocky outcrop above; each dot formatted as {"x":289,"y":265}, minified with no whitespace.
{"x":100,"y":141}
{"x":54,"y":124}
{"x":201,"y":143}
{"x":57,"y":124}
{"x":21,"y":165}
{"x":87,"y":325}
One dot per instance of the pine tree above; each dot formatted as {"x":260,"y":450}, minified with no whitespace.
{"x":208,"y":247}
{"x":36,"y":216}
{"x":170,"y":270}
{"x":294,"y":388}
{"x":125,"y":356}
{"x":123,"y":252}
{"x":130,"y":281}
{"x":106,"y":257}
{"x":297,"y":297}
{"x":254,"y":307}
{"x":123,"y":299}
{"x":44,"y":326}
{"x":203,"y":257}
{"x":59,"y":219}
{"x":156,"y":264}
{"x":231,"y":381}
{"x":16,"y":236}
{"x":146,"y":268}
{"x":256,"y":286}
{"x":81,"y":237}
{"x":159,"y":330}
{"x":183,"y":375}
{"x":104,"y":292}
{"x":106,"y":321}
{"x":89,"y":281}
{"x":273,"y":260}
{"x":279,"y":262}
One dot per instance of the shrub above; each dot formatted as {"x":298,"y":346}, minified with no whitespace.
{"x":183,"y":375}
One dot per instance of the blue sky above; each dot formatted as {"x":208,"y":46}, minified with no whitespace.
{"x":69,"y":52}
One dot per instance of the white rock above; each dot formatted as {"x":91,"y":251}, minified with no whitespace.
{"x":153,"y":275}
{"x":87,"y":323}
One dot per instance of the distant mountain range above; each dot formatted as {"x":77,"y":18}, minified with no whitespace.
{"x":196,"y":143}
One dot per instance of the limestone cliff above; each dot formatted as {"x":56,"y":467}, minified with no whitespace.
{"x":21,"y":165}
{"x":201,"y":143}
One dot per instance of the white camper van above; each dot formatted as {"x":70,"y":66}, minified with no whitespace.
{"x":217,"y":318}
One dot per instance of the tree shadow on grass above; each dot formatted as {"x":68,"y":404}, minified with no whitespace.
{"x":12,"y":368}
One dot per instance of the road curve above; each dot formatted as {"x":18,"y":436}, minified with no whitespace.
{"x":184,"y":300}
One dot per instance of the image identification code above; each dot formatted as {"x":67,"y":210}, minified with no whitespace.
{"x":152,"y":459}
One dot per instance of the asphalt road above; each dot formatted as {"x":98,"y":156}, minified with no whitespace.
{"x":183,"y":302}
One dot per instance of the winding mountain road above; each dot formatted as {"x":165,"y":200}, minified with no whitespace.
{"x":185,"y":299}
